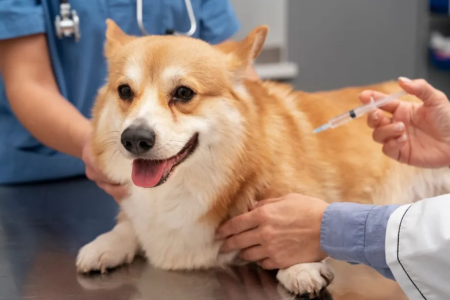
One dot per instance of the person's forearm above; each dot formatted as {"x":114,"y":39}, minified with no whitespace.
{"x":34,"y":97}
{"x":49,"y":117}
{"x":356,"y":233}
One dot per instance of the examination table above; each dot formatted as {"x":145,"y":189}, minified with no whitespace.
{"x":42,"y":226}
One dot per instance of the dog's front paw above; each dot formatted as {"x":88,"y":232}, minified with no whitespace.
{"x":309,"y":278}
{"x":107,"y":251}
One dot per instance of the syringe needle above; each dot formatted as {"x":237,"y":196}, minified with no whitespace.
{"x":322,"y":128}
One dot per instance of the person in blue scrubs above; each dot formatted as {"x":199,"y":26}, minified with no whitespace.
{"x":48,"y":85}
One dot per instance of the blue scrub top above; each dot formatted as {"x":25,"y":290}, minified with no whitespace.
{"x":80,"y":68}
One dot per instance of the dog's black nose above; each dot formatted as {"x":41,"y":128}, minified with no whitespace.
{"x":138,"y":139}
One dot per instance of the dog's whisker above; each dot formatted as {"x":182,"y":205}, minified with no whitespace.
{"x":177,"y":143}
{"x":115,"y":152}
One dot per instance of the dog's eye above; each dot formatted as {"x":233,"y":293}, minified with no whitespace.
{"x":125,"y":92}
{"x":184,"y":94}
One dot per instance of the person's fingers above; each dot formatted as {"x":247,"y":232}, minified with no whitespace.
{"x":391,"y":131}
{"x":267,"y":264}
{"x":367,"y":96}
{"x":118,"y":192}
{"x":98,"y":176}
{"x":238,"y":224}
{"x":254,"y":254}
{"x":240,"y":241}
{"x":90,"y":174}
{"x":266,"y":201}
{"x":251,"y":206}
{"x":377,"y":119}
{"x":392,"y":148}
{"x":118,"y":200}
{"x":422,"y":90}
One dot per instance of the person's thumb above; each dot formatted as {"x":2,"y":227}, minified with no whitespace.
{"x":422,"y":90}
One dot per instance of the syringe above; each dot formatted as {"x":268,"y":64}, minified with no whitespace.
{"x":358,"y":112}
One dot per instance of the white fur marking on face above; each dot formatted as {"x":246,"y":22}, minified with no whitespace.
{"x":147,"y":110}
{"x":172,"y":72}
{"x":149,"y":103}
{"x":133,"y":71}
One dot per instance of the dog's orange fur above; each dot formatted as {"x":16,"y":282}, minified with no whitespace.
{"x":283,"y":156}
{"x":278,"y":153}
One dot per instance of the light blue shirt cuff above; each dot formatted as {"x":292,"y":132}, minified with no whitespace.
{"x":356,"y":233}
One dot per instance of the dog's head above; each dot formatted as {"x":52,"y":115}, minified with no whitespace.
{"x":172,"y":98}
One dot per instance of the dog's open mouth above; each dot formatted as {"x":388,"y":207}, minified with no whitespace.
{"x":150,"y":173}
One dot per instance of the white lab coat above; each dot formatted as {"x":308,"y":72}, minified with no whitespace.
{"x":418,"y":248}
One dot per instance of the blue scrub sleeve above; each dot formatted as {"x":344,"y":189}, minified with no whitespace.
{"x":20,"y":18}
{"x":218,"y":21}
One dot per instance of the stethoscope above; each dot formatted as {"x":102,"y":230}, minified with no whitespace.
{"x":68,"y":23}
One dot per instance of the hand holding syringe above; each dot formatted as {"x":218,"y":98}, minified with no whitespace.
{"x":358,"y":112}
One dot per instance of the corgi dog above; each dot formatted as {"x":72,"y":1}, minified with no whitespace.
{"x":198,"y":143}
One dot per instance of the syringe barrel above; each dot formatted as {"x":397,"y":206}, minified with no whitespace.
{"x":371,"y":106}
{"x":341,"y":119}
{"x":364,"y":109}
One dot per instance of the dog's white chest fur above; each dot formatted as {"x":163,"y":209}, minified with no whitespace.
{"x":167,"y":223}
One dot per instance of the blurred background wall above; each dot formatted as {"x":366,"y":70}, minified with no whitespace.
{"x":325,"y":44}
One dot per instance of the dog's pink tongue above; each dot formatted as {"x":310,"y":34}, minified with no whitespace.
{"x":147,"y":173}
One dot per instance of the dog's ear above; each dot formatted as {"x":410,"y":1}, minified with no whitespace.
{"x":250,"y":47}
{"x":245,"y":51}
{"x":115,"y":38}
{"x":229,"y":46}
